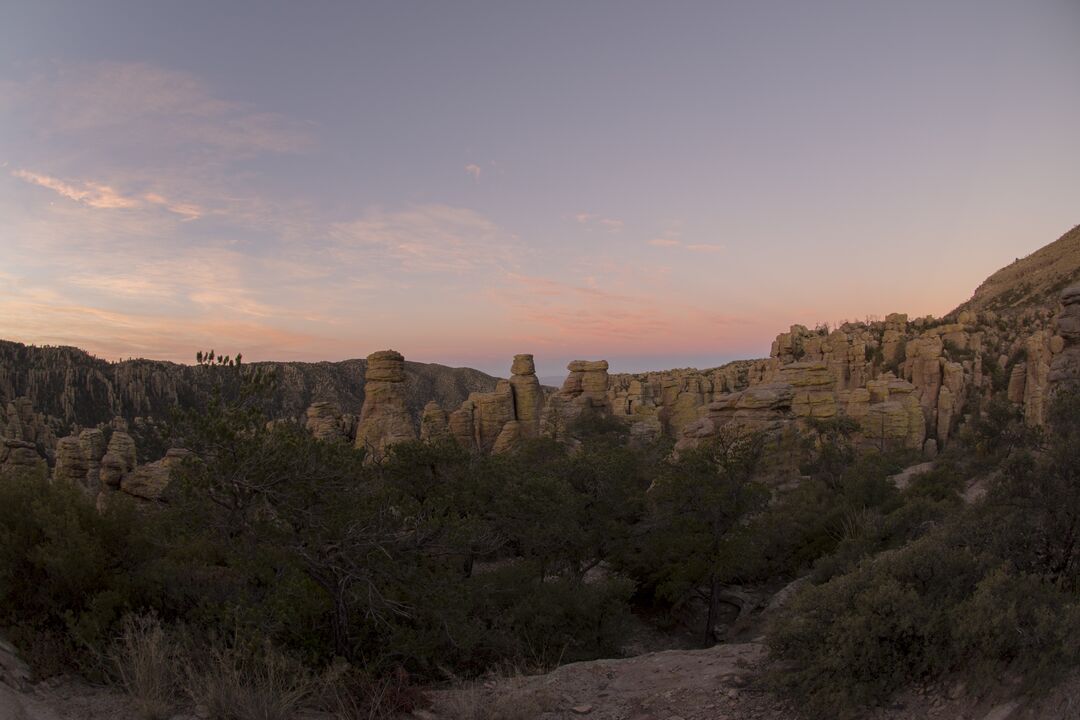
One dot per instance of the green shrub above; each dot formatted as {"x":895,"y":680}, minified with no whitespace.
{"x":982,"y":589}
{"x":67,"y":571}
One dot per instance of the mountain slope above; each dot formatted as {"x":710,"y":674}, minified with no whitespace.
{"x":1035,"y":280}
{"x":77,"y":388}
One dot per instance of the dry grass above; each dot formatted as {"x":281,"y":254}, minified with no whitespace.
{"x":235,"y":685}
{"x":509,"y":701}
{"x":146,"y":661}
{"x":350,"y":694}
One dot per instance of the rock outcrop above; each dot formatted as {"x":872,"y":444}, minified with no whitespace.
{"x":435,"y":424}
{"x":72,"y":465}
{"x":384,"y":417}
{"x":326,"y":422}
{"x":1064,"y":370}
{"x":585,"y":389}
{"x":149,"y":481}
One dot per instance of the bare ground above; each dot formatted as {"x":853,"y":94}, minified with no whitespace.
{"x":719,"y":683}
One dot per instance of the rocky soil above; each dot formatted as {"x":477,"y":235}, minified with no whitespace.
{"x":720,"y":683}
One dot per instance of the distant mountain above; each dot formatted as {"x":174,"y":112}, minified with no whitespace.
{"x":72,"y":387}
{"x":1035,"y":280}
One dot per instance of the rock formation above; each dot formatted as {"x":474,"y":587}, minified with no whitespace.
{"x":528,"y":396}
{"x":326,"y":422}
{"x":1065,"y":368}
{"x":384,"y":417}
{"x":149,"y":481}
{"x":585,"y":389}
{"x":72,"y":465}
{"x":907,"y":382}
{"x":435,"y":424}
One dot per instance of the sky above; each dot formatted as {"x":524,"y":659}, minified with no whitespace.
{"x":657,"y":184}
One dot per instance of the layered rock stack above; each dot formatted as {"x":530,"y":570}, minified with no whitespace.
{"x":585,"y":389}
{"x":761,"y":408}
{"x":384,"y":418}
{"x":528,"y":396}
{"x":1065,"y":370}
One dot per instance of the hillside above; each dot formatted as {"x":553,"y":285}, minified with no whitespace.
{"x":75,"y":388}
{"x":1035,"y":280}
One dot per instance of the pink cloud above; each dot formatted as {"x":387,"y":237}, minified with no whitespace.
{"x":104,"y":197}
{"x":91,"y":194}
{"x":474,"y":170}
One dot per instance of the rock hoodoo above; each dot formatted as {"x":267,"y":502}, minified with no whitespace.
{"x":528,"y":396}
{"x":384,"y":418}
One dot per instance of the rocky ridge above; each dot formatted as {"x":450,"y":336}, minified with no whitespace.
{"x":905,"y":383}
{"x":49,"y":392}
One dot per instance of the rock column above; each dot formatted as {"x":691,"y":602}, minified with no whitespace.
{"x":528,"y":398}
{"x":384,"y":418}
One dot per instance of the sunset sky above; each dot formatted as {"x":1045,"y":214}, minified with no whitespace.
{"x":661,"y":184}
